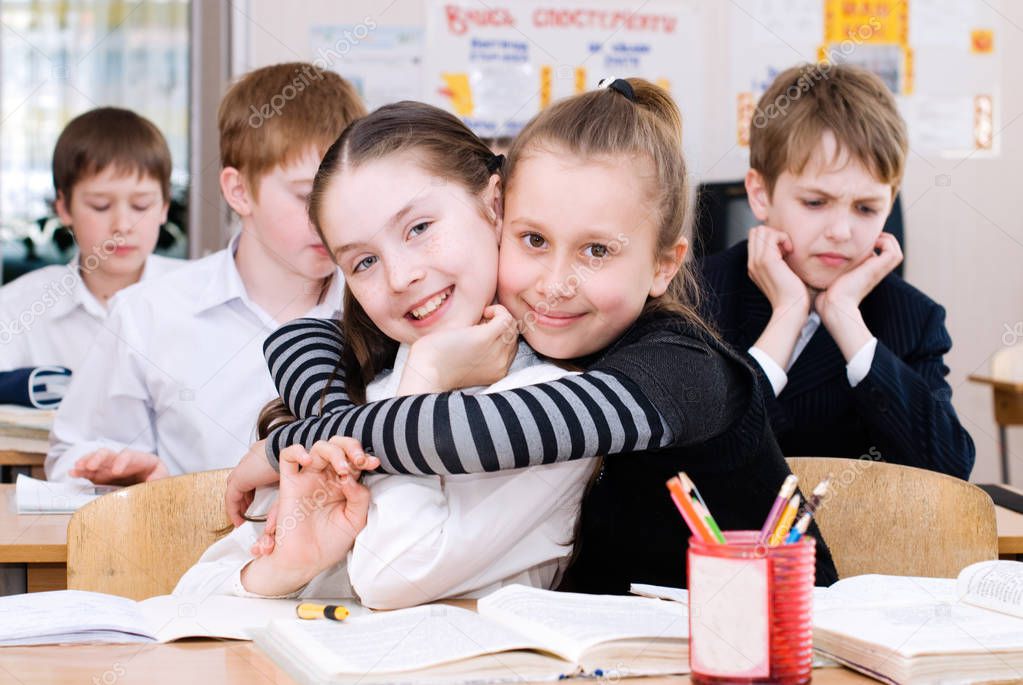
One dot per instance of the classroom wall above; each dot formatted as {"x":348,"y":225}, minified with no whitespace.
{"x":964,"y":222}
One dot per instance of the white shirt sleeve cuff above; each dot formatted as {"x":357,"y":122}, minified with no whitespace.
{"x":859,"y":366}
{"x":774,"y":373}
{"x":238,"y":590}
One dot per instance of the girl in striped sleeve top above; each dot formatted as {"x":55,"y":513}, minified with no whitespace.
{"x":593,"y":269}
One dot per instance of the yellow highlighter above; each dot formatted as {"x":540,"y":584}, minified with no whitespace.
{"x":785,"y":522}
{"x":333,"y":612}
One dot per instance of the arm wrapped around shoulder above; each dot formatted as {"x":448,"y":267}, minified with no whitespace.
{"x":707,"y":394}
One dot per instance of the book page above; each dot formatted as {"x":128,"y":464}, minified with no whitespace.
{"x":996,"y":585}
{"x":915,"y":630}
{"x":70,"y":615}
{"x":571,"y":623}
{"x":34,"y":496}
{"x":881,"y":590}
{"x":672,"y":594}
{"x":396,"y":641}
{"x":171,"y":617}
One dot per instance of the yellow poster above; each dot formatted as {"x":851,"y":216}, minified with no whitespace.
{"x":867,"y":21}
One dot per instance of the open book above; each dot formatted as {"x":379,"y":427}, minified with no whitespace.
{"x":34,"y":496}
{"x":516,"y":633}
{"x":922,"y":630}
{"x":73,"y":616}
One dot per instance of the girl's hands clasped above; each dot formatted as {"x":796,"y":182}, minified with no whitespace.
{"x":320,"y":510}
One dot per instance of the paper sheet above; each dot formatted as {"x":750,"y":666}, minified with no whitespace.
{"x":34,"y":496}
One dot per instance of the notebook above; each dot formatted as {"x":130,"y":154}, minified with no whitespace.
{"x":76,"y":616}
{"x":34,"y":496}
{"x":517,"y":633}
{"x":922,"y":630}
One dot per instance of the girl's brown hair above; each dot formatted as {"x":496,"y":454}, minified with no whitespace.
{"x":644,"y":125}
{"x":444,"y":147}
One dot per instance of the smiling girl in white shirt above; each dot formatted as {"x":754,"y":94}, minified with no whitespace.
{"x":420,"y":264}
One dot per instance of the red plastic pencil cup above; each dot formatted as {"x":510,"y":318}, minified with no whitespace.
{"x":750,"y":610}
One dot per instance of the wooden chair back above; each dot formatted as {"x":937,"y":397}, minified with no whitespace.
{"x":899,"y":520}
{"x":139,"y":541}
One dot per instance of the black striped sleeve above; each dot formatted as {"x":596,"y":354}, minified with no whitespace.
{"x":304,"y":359}
{"x":576,"y":417}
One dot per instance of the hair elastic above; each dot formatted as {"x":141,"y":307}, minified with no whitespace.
{"x":619,"y":85}
{"x":495,"y":163}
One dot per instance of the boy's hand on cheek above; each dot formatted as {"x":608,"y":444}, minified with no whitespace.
{"x":850,"y":288}
{"x":127,"y":467}
{"x":463,"y":357}
{"x":790,"y":301}
{"x":768,"y":248}
{"x":839,"y":305}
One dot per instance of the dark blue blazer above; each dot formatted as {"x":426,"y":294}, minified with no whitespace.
{"x":901,"y":412}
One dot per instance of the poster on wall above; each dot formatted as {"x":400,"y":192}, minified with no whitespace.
{"x":496,"y":65}
{"x":384,"y":63}
{"x":939,"y":57}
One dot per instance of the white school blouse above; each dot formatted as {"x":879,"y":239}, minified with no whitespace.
{"x":177,"y":371}
{"x":431,"y":537}
{"x":49,"y":316}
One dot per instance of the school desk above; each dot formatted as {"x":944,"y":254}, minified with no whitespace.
{"x":208,"y":661}
{"x":1008,"y":404}
{"x":35,"y":540}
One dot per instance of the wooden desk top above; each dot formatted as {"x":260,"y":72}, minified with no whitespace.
{"x":30,"y":538}
{"x":206,"y":661}
{"x":42,"y":538}
{"x":34,"y":456}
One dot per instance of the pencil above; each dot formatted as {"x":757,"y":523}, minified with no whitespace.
{"x":685,"y":507}
{"x":785,"y":522}
{"x":787,"y":488}
{"x":701,"y":506}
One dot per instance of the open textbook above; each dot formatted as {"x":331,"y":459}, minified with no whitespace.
{"x":34,"y":496}
{"x":927,"y":630}
{"x":74,"y":616}
{"x":516,"y":633}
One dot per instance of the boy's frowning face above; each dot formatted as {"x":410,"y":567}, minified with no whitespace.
{"x":833,"y":212}
{"x":115,"y":217}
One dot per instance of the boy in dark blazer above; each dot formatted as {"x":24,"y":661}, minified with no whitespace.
{"x":849,"y":354}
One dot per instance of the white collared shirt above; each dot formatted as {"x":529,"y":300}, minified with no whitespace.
{"x":431,"y":537}
{"x":178,"y":371}
{"x":49,"y":317}
{"x":856,"y":370}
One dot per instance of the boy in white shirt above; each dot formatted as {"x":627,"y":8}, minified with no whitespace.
{"x":174,"y":384}
{"x":111,"y":174}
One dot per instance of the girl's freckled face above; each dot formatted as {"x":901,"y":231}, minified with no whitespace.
{"x":577,"y":251}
